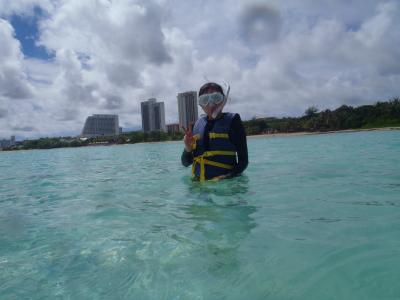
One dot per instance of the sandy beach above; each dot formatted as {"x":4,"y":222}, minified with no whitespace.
{"x":289,"y":134}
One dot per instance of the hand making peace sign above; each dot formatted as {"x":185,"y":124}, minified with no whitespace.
{"x":188,"y":139}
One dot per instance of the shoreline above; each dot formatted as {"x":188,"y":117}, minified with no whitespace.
{"x":263,"y":135}
{"x":302,"y":133}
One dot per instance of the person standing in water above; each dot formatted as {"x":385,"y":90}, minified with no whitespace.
{"x":217,"y":147}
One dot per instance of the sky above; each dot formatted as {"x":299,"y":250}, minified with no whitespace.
{"x":63,"y":60}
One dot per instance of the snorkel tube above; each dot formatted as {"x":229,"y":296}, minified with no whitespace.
{"x":218,"y":109}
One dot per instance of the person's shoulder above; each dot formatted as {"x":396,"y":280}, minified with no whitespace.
{"x":235,"y":117}
{"x":200,"y":121}
{"x":231,"y":115}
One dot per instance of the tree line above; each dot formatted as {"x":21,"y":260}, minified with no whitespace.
{"x":381,"y":114}
{"x":125,"y":138}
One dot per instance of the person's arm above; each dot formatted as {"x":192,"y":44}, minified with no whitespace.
{"x":187,"y":158}
{"x":188,"y":140}
{"x":237,"y":136}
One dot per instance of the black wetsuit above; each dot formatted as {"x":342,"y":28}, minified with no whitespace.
{"x":237,"y":136}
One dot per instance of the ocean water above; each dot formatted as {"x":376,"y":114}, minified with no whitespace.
{"x":313,"y":217}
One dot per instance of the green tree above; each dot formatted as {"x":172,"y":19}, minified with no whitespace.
{"x":311,"y":111}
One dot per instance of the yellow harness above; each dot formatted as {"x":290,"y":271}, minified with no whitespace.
{"x":202,"y":161}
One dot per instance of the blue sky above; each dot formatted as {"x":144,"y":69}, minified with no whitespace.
{"x":27,"y":32}
{"x":61,"y":61}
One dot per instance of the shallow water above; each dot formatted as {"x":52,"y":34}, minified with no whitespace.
{"x":313,"y":217}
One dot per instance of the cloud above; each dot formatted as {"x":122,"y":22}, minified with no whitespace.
{"x":23,"y":7}
{"x":117,"y":39}
{"x":278,"y":56}
{"x":13,"y":84}
{"x":113,"y":102}
{"x":3,"y":113}
{"x":326,"y":64}
{"x":24,"y":129}
{"x":100,"y":56}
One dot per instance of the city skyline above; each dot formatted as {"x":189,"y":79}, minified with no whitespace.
{"x":93,"y":126}
{"x":279,"y":57}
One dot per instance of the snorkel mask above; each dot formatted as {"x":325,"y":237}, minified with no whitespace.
{"x":214,"y":99}
{"x":211,"y":99}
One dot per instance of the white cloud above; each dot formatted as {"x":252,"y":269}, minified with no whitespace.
{"x":326,"y":64}
{"x":15,"y":89}
{"x":13,"y":83}
{"x":279,"y":57}
{"x":23,"y":7}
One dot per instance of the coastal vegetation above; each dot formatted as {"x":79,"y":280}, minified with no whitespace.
{"x":381,"y":114}
{"x":125,"y":138}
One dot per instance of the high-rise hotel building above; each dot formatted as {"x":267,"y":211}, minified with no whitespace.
{"x":187,"y":108}
{"x":98,"y":125}
{"x":153,"y":115}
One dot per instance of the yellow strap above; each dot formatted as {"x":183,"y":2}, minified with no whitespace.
{"x":214,"y":135}
{"x":196,"y":137}
{"x":193,"y":167}
{"x":202,"y":162}
{"x":199,"y":160}
{"x":217,"y":164}
{"x":214,"y":153}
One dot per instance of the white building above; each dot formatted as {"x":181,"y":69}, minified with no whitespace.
{"x":153,"y":115}
{"x":187,"y":108}
{"x":98,"y":125}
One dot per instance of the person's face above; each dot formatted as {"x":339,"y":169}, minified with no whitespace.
{"x":209,"y":109}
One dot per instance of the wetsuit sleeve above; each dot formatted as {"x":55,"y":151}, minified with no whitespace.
{"x":187,"y":158}
{"x":237,"y":135}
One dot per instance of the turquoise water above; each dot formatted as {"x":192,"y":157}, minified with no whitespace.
{"x":313,"y":217}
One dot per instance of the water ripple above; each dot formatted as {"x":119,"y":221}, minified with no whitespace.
{"x":312,"y":218}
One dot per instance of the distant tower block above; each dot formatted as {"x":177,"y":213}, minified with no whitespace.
{"x":98,"y":125}
{"x":153,"y":115}
{"x":187,"y":108}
